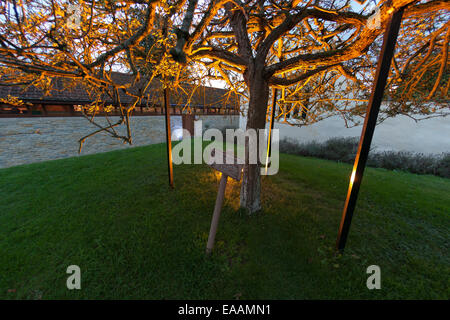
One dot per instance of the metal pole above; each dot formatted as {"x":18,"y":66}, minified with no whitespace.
{"x":168,"y":130}
{"x":216,"y":214}
{"x":272,"y":116}
{"x":387,"y":52}
{"x":168,"y":136}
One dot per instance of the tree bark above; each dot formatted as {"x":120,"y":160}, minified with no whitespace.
{"x":256,"y":119}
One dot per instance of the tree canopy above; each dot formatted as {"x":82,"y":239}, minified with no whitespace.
{"x":321,"y":54}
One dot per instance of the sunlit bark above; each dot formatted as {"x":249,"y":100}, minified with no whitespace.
{"x":303,"y":48}
{"x":321,"y":55}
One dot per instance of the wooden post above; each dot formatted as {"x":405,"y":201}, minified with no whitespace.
{"x":168,"y":136}
{"x":30,"y":109}
{"x":272,"y":114}
{"x":216,"y":214}
{"x":272,"y":117}
{"x":230,"y":167}
{"x":168,"y":129}
{"x":387,"y":52}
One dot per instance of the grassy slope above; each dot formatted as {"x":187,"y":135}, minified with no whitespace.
{"x":114,"y":216}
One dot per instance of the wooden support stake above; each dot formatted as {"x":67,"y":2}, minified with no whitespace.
{"x":216,"y":214}
{"x":272,"y":118}
{"x":168,"y":137}
{"x":387,"y":52}
{"x":168,"y":129}
{"x":272,"y":114}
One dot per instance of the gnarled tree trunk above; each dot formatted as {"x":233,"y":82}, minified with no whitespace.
{"x":256,"y":119}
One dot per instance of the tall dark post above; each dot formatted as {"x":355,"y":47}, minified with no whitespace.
{"x":384,"y":64}
{"x":269,"y":138}
{"x":168,"y":135}
{"x":168,"y":130}
{"x":272,"y":117}
{"x":272,"y":120}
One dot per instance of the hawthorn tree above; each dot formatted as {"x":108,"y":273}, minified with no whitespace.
{"x":86,"y":41}
{"x":320,"y":54}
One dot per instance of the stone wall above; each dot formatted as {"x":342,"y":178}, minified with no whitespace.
{"x":27,"y":140}
{"x":219,"y":122}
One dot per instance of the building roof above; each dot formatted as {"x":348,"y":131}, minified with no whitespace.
{"x":66,"y":91}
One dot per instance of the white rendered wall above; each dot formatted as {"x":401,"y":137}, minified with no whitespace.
{"x":400,"y":133}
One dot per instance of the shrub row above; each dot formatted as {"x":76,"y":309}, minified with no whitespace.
{"x":344,"y":150}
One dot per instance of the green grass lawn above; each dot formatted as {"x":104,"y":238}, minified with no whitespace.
{"x":114,"y":215}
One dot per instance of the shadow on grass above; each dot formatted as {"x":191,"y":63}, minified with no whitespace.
{"x":133,"y":237}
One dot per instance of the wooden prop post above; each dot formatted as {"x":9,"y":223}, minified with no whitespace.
{"x":168,"y":129}
{"x":216,"y":214}
{"x":272,"y":121}
{"x":168,"y":136}
{"x":230,"y":168}
{"x":387,"y":52}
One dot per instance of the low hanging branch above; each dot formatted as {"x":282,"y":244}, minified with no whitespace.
{"x":336,"y":38}
{"x":39,"y":45}
{"x":320,"y":54}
